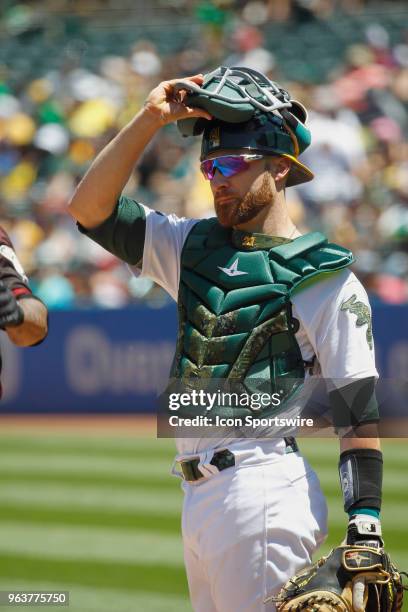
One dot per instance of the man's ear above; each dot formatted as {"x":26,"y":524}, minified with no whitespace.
{"x":279,"y":167}
{"x":282,"y":169}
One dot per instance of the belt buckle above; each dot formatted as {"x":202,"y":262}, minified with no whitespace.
{"x":221,"y":460}
{"x":190,"y":471}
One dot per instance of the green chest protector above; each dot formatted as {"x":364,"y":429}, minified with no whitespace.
{"x":235,"y":313}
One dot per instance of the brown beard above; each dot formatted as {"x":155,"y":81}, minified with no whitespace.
{"x":237,"y":212}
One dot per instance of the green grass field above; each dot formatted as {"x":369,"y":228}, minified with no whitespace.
{"x":100,"y":516}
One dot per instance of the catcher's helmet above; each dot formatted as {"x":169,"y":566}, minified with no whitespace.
{"x":250,"y":112}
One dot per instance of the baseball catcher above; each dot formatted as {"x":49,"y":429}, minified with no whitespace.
{"x":259,"y":303}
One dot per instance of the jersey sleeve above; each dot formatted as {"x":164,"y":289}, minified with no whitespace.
{"x":336,"y":316}
{"x":123,"y":232}
{"x":149,"y":241}
{"x":11,"y":271}
{"x":164,"y":240}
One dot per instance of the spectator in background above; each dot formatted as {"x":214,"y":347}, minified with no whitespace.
{"x":63,"y":108}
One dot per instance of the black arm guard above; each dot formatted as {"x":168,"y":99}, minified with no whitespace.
{"x":361,"y":471}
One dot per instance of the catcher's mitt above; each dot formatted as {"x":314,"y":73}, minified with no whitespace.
{"x":349,"y":579}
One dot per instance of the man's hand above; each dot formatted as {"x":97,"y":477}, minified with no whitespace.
{"x":34,"y":326}
{"x":167,"y":105}
{"x":97,"y":194}
{"x":363,"y":530}
{"x":11,"y":314}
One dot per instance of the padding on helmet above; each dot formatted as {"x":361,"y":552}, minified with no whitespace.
{"x":250,"y":112}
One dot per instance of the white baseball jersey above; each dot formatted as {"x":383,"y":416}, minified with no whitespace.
{"x":325,"y":330}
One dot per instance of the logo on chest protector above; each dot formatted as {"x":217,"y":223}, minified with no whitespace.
{"x":233,"y":269}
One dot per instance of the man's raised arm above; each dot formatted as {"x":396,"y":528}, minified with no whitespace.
{"x":97,"y":194}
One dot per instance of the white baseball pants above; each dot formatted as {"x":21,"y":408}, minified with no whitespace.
{"x":249,"y":528}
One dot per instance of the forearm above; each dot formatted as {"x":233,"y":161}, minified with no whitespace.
{"x":34,"y":327}
{"x":364,"y":436}
{"x":96,"y":195}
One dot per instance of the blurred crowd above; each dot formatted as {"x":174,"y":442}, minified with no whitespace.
{"x":61,"y":103}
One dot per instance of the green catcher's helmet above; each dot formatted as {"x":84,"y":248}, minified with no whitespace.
{"x":250,"y":112}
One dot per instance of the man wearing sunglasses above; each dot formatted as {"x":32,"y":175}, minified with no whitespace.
{"x":258,"y":302}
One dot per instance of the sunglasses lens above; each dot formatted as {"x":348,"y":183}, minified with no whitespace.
{"x":207,"y":168}
{"x":228,"y":166}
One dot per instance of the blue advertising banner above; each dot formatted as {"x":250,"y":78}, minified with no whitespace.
{"x":116,"y":361}
{"x":93,"y":361}
{"x":390,"y":328}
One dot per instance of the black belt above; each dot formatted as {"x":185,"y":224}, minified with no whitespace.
{"x":222,"y":460}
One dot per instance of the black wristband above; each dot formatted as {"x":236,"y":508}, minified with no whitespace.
{"x":361,"y":471}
